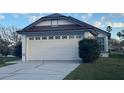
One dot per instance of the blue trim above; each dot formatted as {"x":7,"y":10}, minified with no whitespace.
{"x":48,"y":33}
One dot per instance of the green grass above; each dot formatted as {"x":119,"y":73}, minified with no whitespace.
{"x":6,"y":64}
{"x":111,"y":68}
{"x":7,"y":59}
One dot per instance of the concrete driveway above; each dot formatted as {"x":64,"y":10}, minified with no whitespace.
{"x":45,"y":70}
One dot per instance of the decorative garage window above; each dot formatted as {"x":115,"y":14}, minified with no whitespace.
{"x":54,"y":23}
{"x":44,"y":37}
{"x":78,"y":36}
{"x":64,"y":37}
{"x":71,"y":36}
{"x":51,"y":37}
{"x":57,"y":37}
{"x":101,"y":43}
{"x":37,"y":38}
{"x":31,"y":38}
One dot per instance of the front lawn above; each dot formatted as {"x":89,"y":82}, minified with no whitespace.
{"x":111,"y":68}
{"x":7,"y":59}
{"x":1,"y":65}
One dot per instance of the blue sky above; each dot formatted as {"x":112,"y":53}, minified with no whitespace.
{"x":101,"y":20}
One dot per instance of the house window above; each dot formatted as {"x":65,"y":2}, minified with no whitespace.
{"x":37,"y":38}
{"x":64,"y":37}
{"x":54,"y":23}
{"x":57,"y":37}
{"x":44,"y":38}
{"x":71,"y":37}
{"x":31,"y":38}
{"x":101,"y":42}
{"x":50,"y":37}
{"x":78,"y":36}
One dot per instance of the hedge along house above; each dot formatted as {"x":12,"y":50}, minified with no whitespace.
{"x":56,"y":37}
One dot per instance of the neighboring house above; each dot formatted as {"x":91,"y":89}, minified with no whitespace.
{"x":117,"y":48}
{"x":56,"y":37}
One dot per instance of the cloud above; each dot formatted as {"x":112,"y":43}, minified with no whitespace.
{"x":2,"y":17}
{"x":117,"y":15}
{"x":106,"y":21}
{"x":117,"y":38}
{"x":33,"y":18}
{"x":89,"y":15}
{"x":72,"y":14}
{"x":86,"y":17}
{"x":97,"y":24}
{"x":15,"y":15}
{"x":103,"y":18}
{"x":116,"y":24}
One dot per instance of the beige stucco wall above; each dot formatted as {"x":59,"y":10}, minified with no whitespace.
{"x":88,"y":35}
{"x":61,"y":49}
{"x":105,"y":54}
{"x":24,"y":47}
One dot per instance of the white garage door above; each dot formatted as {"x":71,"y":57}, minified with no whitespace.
{"x":64,"y":49}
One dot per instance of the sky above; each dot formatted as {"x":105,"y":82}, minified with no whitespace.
{"x":100,"y":20}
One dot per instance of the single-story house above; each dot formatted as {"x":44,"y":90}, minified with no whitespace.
{"x":56,"y":37}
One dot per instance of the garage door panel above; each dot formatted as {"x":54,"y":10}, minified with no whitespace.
{"x":56,"y":51}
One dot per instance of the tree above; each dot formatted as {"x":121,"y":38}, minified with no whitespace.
{"x":121,"y":34}
{"x":10,"y":35}
{"x":113,"y":42}
{"x":1,"y":45}
{"x":109,"y":28}
{"x":4,"y":47}
{"x":18,"y":50}
{"x":122,"y":43}
{"x":89,"y":50}
{"x":10,"y":39}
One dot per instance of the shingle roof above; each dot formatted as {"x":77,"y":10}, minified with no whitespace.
{"x":79,"y":25}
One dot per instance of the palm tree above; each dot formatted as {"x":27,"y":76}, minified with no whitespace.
{"x":109,"y":28}
{"x":122,"y":33}
{"x":119,"y":34}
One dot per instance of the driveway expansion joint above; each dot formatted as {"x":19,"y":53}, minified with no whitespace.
{"x":45,"y":70}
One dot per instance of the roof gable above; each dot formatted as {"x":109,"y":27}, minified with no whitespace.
{"x":66,"y":19}
{"x":53,"y":22}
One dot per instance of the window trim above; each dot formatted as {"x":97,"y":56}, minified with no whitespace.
{"x":31,"y":38}
{"x":78,"y":36}
{"x":44,"y":37}
{"x":51,"y":38}
{"x":71,"y":36}
{"x":101,"y":44}
{"x":55,"y":24}
{"x":64,"y":37}
{"x":37,"y":38}
{"x":57,"y":37}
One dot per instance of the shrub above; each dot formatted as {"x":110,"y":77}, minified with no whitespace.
{"x":89,"y":50}
{"x":2,"y":60}
{"x":18,"y":50}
